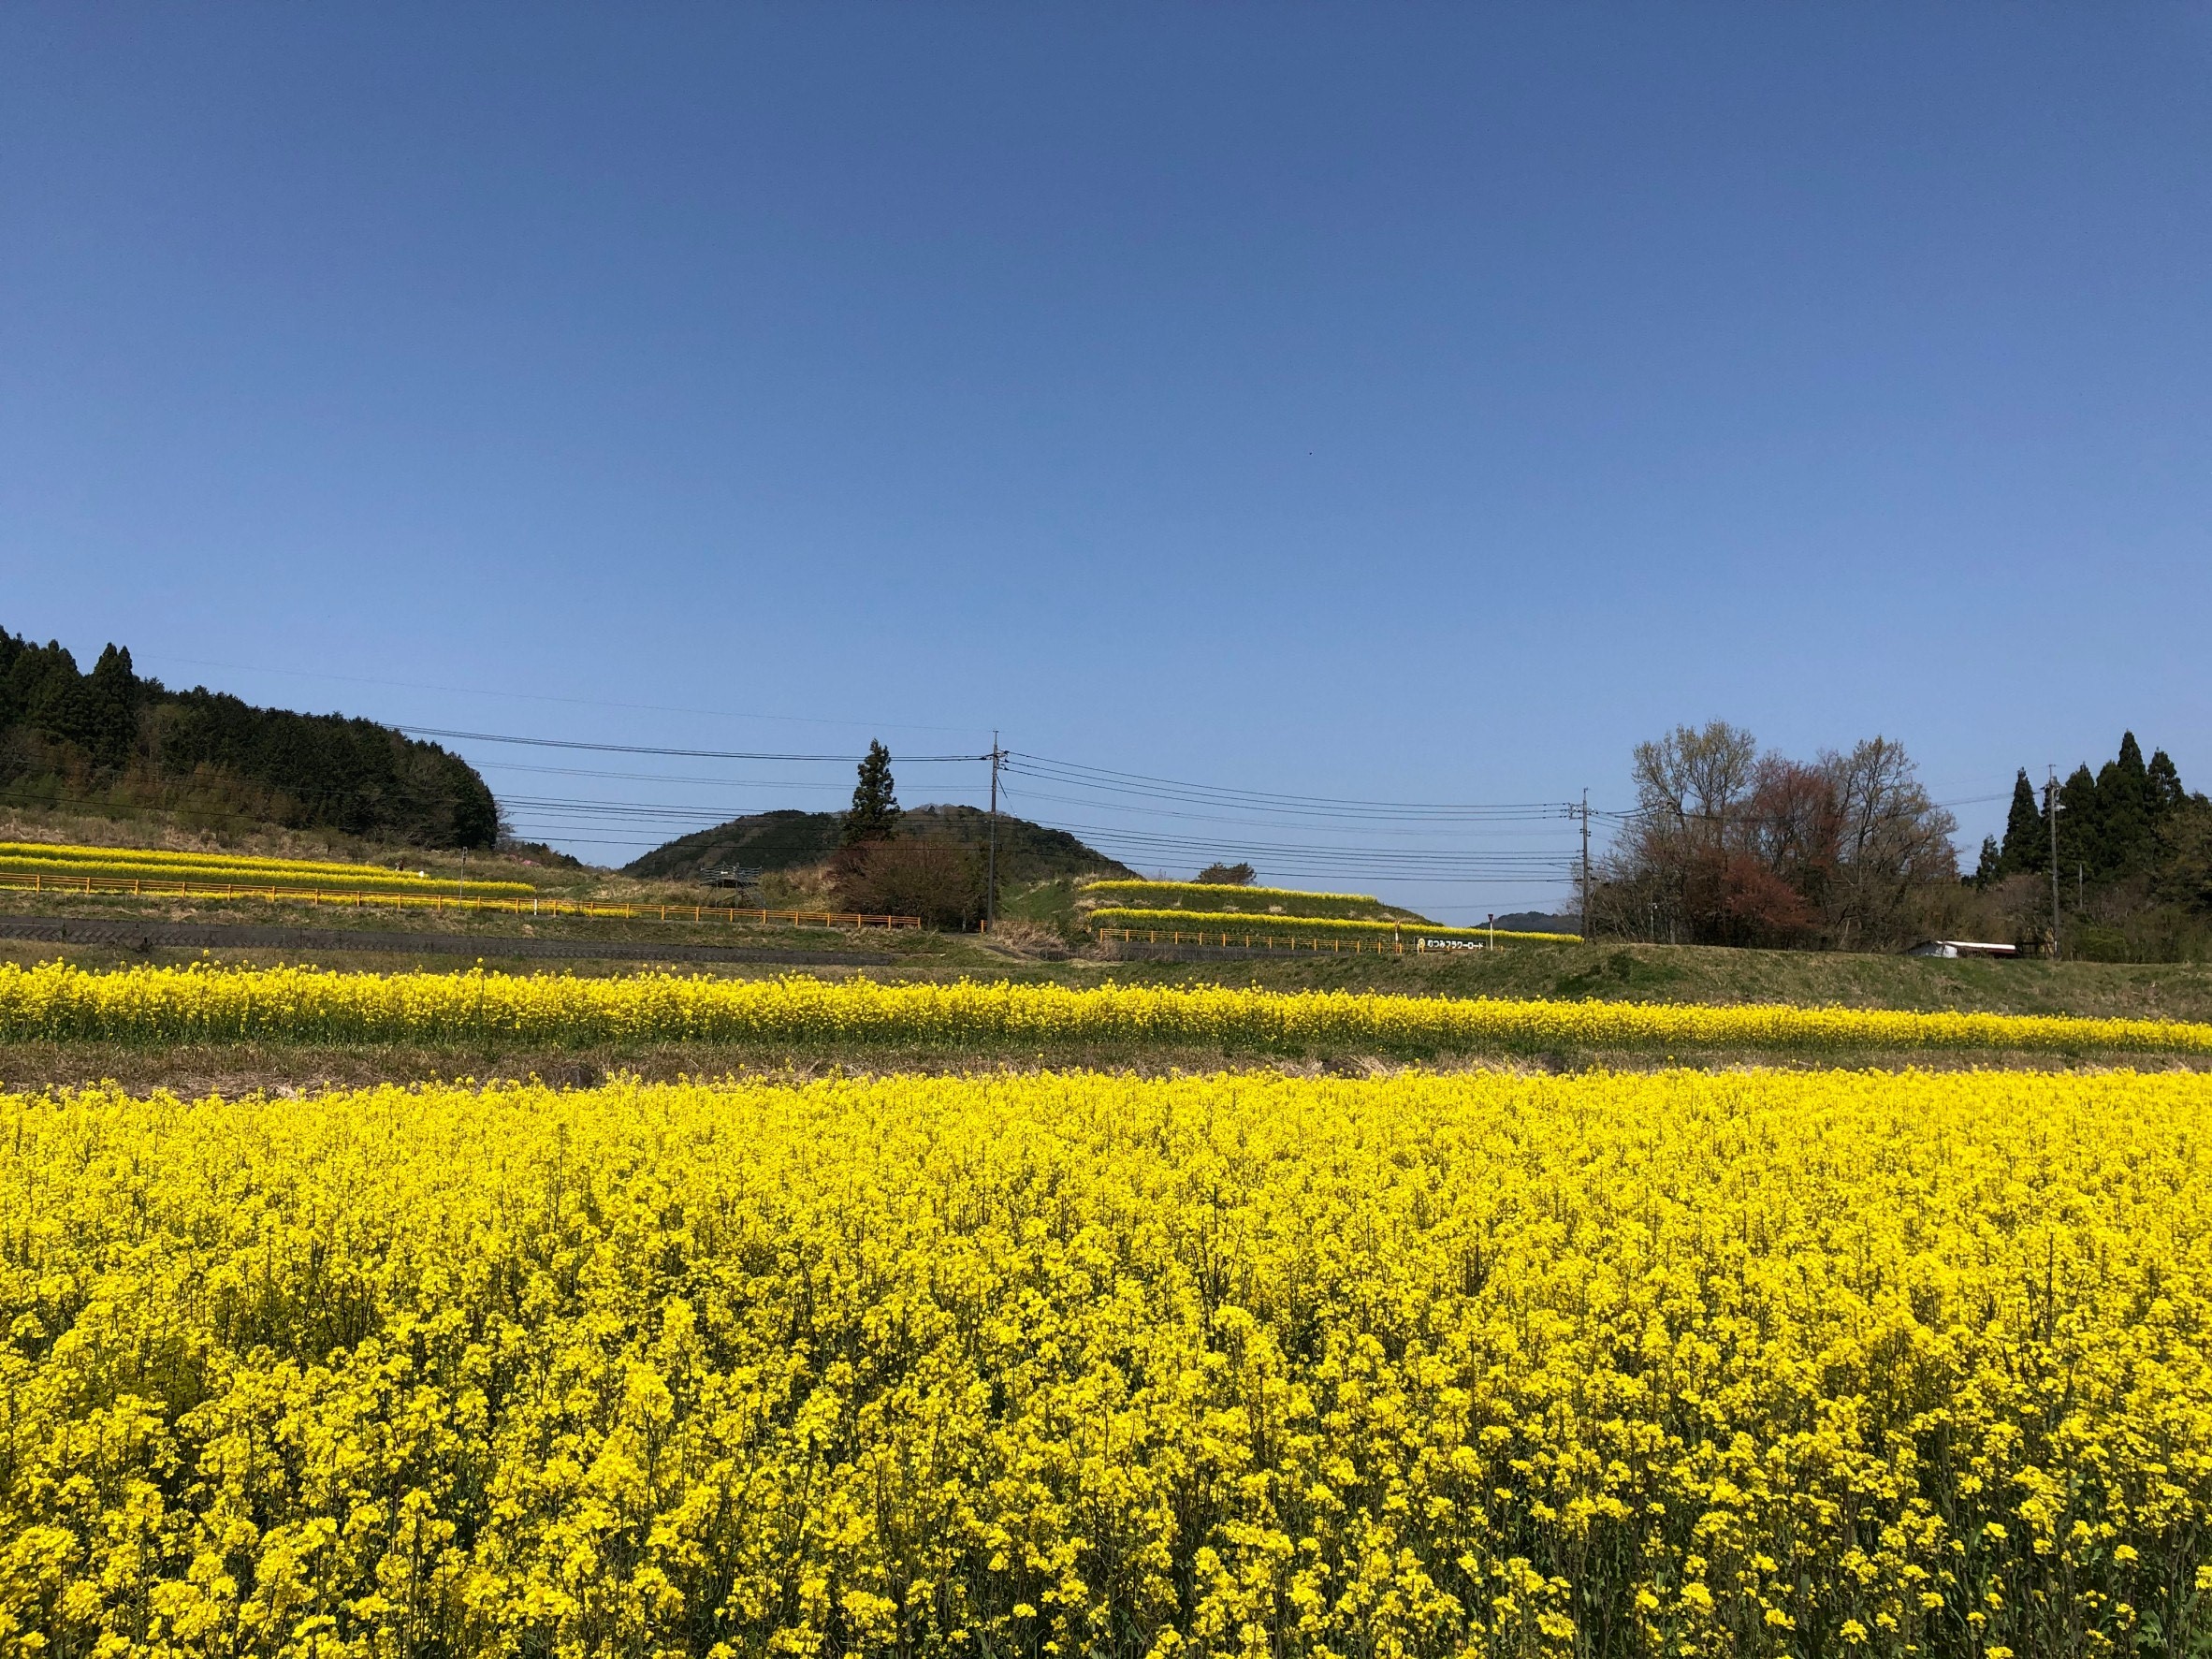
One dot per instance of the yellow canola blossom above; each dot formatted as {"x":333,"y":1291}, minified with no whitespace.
{"x":1235,"y":923}
{"x":89,"y":857}
{"x":1679,"y":1364}
{"x":1127,"y":887}
{"x":108,"y":865}
{"x":56,"y":1001}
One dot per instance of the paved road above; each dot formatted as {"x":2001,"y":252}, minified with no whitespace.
{"x":140,"y":935}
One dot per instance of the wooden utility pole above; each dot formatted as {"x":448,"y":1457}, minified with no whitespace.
{"x":2050,"y":811}
{"x":1585,"y":867}
{"x":991,"y":857}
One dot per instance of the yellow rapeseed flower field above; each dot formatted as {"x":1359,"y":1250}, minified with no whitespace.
{"x":1133,"y":888}
{"x":60,"y":863}
{"x":1675,"y":1364}
{"x":55,"y":1001}
{"x":90,"y":858}
{"x":1234,"y":922}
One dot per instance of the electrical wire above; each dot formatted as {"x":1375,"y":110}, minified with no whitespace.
{"x":661,"y":777}
{"x":1138,"y":785}
{"x":695,"y":754}
{"x":1312,"y":860}
{"x":1264,"y":821}
{"x":1394,"y":860}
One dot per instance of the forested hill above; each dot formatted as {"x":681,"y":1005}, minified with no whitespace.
{"x":790,"y":839}
{"x":111,"y":741}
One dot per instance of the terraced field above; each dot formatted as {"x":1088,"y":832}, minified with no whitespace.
{"x":62,"y":867}
{"x":1213,"y":912}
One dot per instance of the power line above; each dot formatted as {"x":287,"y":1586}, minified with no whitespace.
{"x":592,"y":840}
{"x":1104,"y":780}
{"x":1393,"y":858}
{"x":1147,"y":797}
{"x":1374,"y":825}
{"x":659,"y":777}
{"x":541,"y":807}
{"x":692,"y":754}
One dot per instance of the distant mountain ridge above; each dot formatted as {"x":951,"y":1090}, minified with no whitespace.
{"x":1537,"y":921}
{"x":790,"y":839}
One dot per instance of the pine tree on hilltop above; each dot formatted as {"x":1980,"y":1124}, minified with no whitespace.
{"x":2026,"y":847}
{"x":875,"y":810}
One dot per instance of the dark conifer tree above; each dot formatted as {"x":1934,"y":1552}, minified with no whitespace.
{"x":2081,"y":826}
{"x":2164,"y":783}
{"x":875,"y":811}
{"x":2124,"y":844}
{"x":2026,"y":837}
{"x":111,"y":693}
{"x":1991,"y":866}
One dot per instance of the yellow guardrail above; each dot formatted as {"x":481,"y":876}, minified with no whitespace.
{"x":361,"y":899}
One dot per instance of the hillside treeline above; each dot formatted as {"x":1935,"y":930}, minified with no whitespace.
{"x":113,"y":741}
{"x":1732,"y":846}
{"x":2134,"y":861}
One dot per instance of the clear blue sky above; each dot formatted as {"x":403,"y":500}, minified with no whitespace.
{"x":1403,"y":402}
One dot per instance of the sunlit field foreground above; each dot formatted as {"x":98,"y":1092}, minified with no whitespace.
{"x":1676,"y":1364}
{"x":54,"y":1001}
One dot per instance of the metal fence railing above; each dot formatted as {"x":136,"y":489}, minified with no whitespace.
{"x":1412,"y":944}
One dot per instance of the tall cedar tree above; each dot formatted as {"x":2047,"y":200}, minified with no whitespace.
{"x":2081,"y":827}
{"x":2027,"y":844}
{"x":875,"y":810}
{"x":1990,"y":866}
{"x":2166,"y":784}
{"x":2124,"y":813}
{"x":2111,"y":823}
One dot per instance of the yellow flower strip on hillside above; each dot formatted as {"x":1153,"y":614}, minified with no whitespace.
{"x":263,"y":875}
{"x":1684,"y":1364}
{"x":74,"y":853}
{"x":1322,"y":927}
{"x":55,"y":1001}
{"x":1123,"y":889}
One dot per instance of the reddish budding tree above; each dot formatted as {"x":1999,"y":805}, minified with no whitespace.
{"x":1732,"y":847}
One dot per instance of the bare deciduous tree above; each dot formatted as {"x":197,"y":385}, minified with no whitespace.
{"x":1731,"y":847}
{"x":1892,"y":843}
